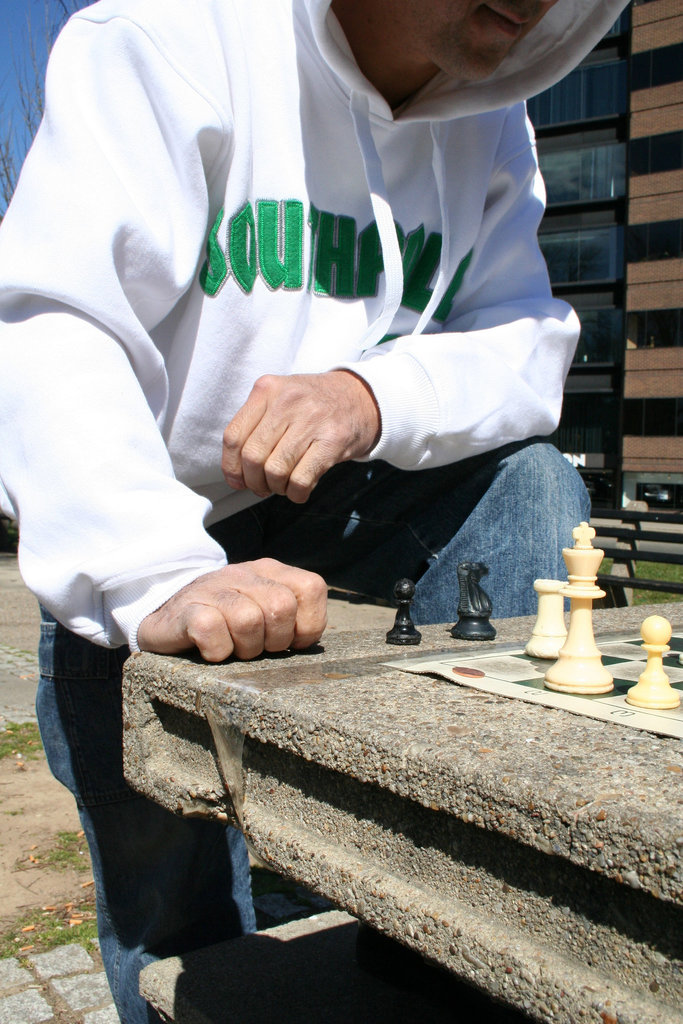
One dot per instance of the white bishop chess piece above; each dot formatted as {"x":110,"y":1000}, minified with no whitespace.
{"x":579,"y":667}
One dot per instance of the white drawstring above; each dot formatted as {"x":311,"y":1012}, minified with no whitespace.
{"x":438,"y":132}
{"x":391,"y":252}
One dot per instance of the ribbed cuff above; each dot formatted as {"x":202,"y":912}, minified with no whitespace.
{"x":408,"y":405}
{"x":129,"y":604}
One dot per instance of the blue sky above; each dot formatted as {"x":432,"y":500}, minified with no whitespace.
{"x":14,"y":39}
{"x":15,"y":51}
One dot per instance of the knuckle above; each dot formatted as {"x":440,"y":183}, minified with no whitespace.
{"x":302,"y":480}
{"x":282,"y":607}
{"x":231,"y":436}
{"x":317,"y":586}
{"x":203,"y":621}
{"x":264,"y":384}
{"x":246,"y":619}
{"x":252,"y":453}
{"x":277,"y":474}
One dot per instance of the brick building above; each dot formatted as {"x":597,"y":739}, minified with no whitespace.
{"x":610,"y":140}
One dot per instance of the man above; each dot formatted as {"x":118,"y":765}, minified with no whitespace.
{"x":271,"y":296}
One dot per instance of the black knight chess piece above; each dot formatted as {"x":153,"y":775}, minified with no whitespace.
{"x":474,"y":609}
{"x":403,"y":631}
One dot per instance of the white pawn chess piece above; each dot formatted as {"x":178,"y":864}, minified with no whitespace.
{"x":549,"y":632}
{"x":579,"y":667}
{"x":653,"y":689}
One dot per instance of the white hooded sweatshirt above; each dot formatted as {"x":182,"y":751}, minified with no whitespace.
{"x":217,"y":192}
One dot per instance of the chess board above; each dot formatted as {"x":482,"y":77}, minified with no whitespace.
{"x":509,"y":672}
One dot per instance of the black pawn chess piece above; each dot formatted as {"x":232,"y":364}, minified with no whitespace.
{"x":403,"y":631}
{"x":474,"y":609}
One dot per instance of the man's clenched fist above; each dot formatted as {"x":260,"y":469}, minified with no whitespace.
{"x":242,"y":609}
{"x":292,"y":429}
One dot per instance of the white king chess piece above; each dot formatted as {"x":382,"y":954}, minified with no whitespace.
{"x":579,"y":667}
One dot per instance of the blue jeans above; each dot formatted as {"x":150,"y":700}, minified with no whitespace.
{"x":166,"y":884}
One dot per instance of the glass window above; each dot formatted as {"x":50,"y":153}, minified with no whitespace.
{"x":667,"y":64}
{"x":656,"y":153}
{"x":657,"y":495}
{"x":600,"y":486}
{"x":659,"y":417}
{"x":640,"y":70}
{"x":639,"y":156}
{"x":664,"y":240}
{"x":586,"y":254}
{"x":604,"y":89}
{"x":636,"y":246}
{"x":666,"y":152}
{"x":584,"y":173}
{"x":603,"y":172}
{"x":597,"y":90}
{"x":589,"y":424}
{"x":657,"y":67}
{"x":601,"y":339}
{"x":655,"y":328}
{"x":635,"y":330}
{"x":662,"y":328}
{"x":660,"y":240}
{"x":633,"y":417}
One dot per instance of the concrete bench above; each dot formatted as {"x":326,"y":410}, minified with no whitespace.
{"x":304,"y":972}
{"x":532,"y":853}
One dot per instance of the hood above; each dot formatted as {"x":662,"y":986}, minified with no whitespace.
{"x":550,"y":51}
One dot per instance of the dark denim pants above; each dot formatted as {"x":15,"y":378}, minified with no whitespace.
{"x":167,"y":884}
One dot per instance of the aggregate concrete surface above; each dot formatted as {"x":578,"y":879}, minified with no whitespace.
{"x":357,"y":781}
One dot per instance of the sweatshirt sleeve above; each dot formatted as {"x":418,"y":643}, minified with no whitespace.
{"x":123,"y":158}
{"x":495,"y":372}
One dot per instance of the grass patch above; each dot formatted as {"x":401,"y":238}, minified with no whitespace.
{"x":9,"y":535}
{"x":40,"y":930}
{"x":651,"y":571}
{"x":70,"y":851}
{"x":264,"y":881}
{"x":23,"y":738}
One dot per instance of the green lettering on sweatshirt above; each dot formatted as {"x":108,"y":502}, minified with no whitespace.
{"x":242,"y":248}
{"x":343,"y":261}
{"x":422,"y":266}
{"x":313,"y":222}
{"x":370,"y":261}
{"x":215,"y":269}
{"x":335,"y":255}
{"x":280,"y":238}
{"x":443,"y":309}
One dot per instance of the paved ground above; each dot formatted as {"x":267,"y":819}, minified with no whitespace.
{"x":63,"y":986}
{"x":19,"y":635}
{"x":67,"y":985}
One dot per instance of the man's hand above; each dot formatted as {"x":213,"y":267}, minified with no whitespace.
{"x":293,"y":429}
{"x":242,"y":609}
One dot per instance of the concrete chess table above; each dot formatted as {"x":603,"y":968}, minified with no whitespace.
{"x":532,"y":852}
